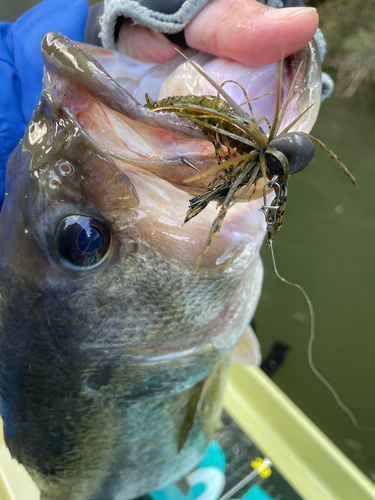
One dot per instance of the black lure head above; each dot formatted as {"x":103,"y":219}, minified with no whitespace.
{"x":298,"y":149}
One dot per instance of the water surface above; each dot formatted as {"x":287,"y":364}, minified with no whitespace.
{"x":326,"y":245}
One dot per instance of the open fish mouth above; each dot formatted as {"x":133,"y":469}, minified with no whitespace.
{"x":178,"y":77}
{"x":152,"y":148}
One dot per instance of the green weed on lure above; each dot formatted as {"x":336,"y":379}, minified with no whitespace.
{"x":244,"y":152}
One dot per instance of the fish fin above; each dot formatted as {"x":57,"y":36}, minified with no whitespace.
{"x":189,"y":414}
{"x":220,"y":424}
{"x":200,"y":400}
{"x":183,"y":485}
{"x":247,"y":351}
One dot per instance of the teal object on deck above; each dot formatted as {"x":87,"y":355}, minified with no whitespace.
{"x":256,"y":493}
{"x":206,"y":482}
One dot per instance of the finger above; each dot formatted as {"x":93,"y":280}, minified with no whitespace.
{"x":144,"y":44}
{"x":249,"y":32}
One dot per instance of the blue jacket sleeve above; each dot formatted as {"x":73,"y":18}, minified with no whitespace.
{"x":21,"y":66}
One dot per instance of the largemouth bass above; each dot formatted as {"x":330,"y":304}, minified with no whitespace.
{"x":114,"y":349}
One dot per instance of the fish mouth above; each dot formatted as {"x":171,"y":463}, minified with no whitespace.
{"x":154,"y":149}
{"x":130,"y":133}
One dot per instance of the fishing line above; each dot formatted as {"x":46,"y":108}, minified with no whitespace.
{"x":310,"y":351}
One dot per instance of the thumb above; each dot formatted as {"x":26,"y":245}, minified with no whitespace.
{"x":249,"y":32}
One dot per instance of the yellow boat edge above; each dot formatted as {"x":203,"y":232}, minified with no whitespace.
{"x":309,"y":461}
{"x":300,"y":451}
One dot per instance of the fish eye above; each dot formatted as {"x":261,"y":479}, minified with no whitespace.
{"x":82,"y":241}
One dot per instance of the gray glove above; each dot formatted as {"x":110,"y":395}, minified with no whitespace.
{"x":165,"y":16}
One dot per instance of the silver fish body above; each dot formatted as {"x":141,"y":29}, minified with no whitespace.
{"x":114,"y":351}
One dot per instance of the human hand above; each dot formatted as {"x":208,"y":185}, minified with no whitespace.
{"x":243,"y":30}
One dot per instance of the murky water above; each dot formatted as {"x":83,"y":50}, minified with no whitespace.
{"x":326,"y":246}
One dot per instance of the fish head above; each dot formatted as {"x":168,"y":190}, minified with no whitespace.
{"x":113,"y":343}
{"x":96,"y":165}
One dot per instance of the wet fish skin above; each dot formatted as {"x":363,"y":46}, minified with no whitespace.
{"x":96,"y":397}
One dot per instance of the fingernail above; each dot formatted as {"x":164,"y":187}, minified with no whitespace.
{"x":286,"y":13}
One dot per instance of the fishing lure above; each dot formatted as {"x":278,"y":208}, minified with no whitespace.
{"x":245,"y":152}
